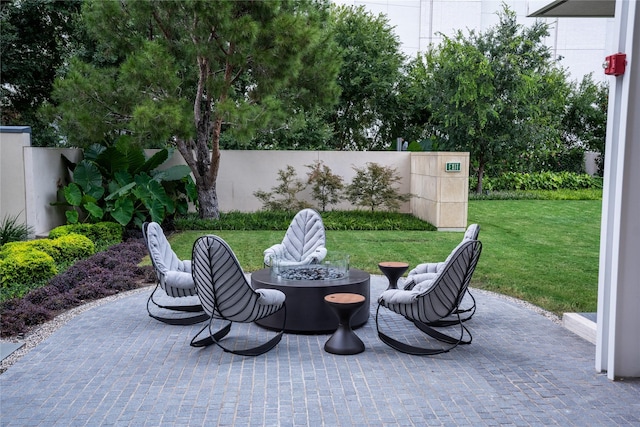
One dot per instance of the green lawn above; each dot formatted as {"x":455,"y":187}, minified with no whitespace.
{"x":541,"y":251}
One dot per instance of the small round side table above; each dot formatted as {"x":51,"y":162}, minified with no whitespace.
{"x":344,"y":340}
{"x":393,"y":270}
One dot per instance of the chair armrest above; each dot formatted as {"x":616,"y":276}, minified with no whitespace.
{"x":428,"y":267}
{"x":270,"y":297}
{"x":178,"y":279}
{"x":315,"y":257}
{"x":274,"y":251}
{"x":397,"y":296}
{"x":186,"y":266}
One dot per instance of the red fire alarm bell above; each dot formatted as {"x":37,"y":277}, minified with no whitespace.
{"x":614,"y":65}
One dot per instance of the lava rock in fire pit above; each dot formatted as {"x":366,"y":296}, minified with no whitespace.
{"x":311,"y":273}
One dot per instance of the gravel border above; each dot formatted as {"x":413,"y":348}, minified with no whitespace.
{"x":42,"y":332}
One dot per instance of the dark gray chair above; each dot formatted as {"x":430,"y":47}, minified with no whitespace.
{"x":173,"y":276}
{"x":434,"y":303}
{"x":226,"y":295}
{"x":429,"y":270}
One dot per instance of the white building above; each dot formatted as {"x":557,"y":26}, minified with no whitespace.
{"x":580,"y":42}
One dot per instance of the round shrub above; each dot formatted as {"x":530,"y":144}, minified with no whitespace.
{"x":102,"y":231}
{"x":26,"y":265}
{"x":73,"y":246}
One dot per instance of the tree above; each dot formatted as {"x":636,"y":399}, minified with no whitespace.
{"x":495,"y":94}
{"x":287,"y":191}
{"x":36,"y":39}
{"x":585,"y":120}
{"x":325,"y":185}
{"x":372,"y":187}
{"x":186,"y":72}
{"x":371,"y":58}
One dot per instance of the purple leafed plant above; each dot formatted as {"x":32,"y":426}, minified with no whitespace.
{"x":103,"y":274}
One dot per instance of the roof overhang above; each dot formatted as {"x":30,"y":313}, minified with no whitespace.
{"x":577,"y":9}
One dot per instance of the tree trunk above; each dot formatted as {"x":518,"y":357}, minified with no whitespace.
{"x":208,"y":201}
{"x":480,"y":175}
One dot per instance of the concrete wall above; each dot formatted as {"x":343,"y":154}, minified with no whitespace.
{"x":13,"y":202}
{"x":244,"y":172}
{"x":45,"y":173}
{"x":440,"y":196}
{"x":31,"y":177}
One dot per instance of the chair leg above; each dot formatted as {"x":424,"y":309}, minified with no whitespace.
{"x":470,"y":310}
{"x":428,"y":329}
{"x":421,"y":351}
{"x":214,"y":338}
{"x":191,"y":320}
{"x":462,"y":314}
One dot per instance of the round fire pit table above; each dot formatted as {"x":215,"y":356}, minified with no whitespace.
{"x":307,"y":312}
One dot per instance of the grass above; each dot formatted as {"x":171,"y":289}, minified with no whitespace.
{"x":541,"y":251}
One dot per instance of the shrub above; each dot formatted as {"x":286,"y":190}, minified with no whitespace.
{"x":280,"y":220}
{"x":22,"y":265}
{"x":372,"y":187}
{"x":284,"y":197}
{"x":102,"y":274}
{"x":510,"y":181}
{"x":110,"y":232}
{"x":73,"y":246}
{"x":326,"y":187}
{"x":13,"y":231}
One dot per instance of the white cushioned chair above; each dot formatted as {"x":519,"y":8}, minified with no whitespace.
{"x":434,"y":303}
{"x":173,"y":276}
{"x":226,"y":295}
{"x":429,"y":270}
{"x":303,"y":243}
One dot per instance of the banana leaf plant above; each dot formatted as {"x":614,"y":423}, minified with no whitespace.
{"x":120,"y":182}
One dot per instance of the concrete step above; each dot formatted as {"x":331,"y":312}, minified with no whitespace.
{"x":581,"y":324}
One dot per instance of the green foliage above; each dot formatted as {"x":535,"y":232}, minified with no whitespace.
{"x":22,"y":265}
{"x":585,"y":120}
{"x":280,"y":220}
{"x":586,"y":194}
{"x":36,"y":38}
{"x":73,"y":247}
{"x":26,"y":265}
{"x":326,"y":187}
{"x":185,"y":73}
{"x":62,"y":249}
{"x":13,"y":231}
{"x":373,"y":187}
{"x":304,"y":130}
{"x":120,"y":182}
{"x":541,"y":181}
{"x":110,"y":232}
{"x":495,"y":94}
{"x":371,"y":57}
{"x":284,"y":196}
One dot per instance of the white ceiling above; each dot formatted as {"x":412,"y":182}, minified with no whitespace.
{"x":576,"y":8}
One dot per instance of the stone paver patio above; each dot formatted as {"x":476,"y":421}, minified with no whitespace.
{"x":115,"y":366}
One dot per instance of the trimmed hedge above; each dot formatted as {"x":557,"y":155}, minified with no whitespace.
{"x":101,"y":231}
{"x":511,"y":181}
{"x":23,"y":265}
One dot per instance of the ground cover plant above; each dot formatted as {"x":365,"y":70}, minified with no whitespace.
{"x":105,"y":273}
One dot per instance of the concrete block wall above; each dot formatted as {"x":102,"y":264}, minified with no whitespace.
{"x":440,"y":196}
{"x":31,"y":176}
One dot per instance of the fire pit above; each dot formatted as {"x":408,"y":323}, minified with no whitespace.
{"x":307,"y":313}
{"x":334,"y":266}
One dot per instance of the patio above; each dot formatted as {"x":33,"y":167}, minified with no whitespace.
{"x":114,"y":365}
